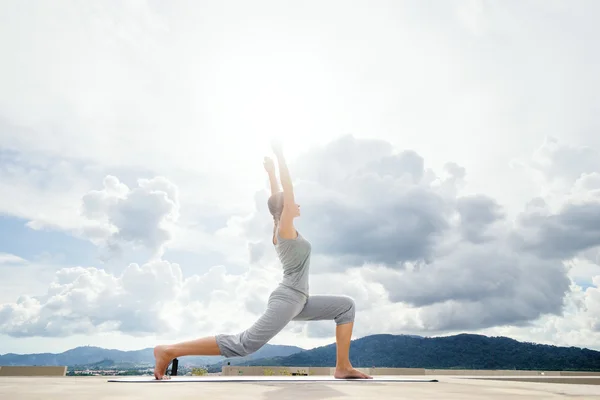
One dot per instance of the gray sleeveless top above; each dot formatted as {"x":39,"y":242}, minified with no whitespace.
{"x":294,"y":255}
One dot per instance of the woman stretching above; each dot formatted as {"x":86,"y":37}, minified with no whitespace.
{"x":290,"y":301}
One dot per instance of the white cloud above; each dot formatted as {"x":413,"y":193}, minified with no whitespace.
{"x":60,"y":194}
{"x":583,"y":268}
{"x":148,"y":299}
{"x":21,"y":276}
{"x":43,"y":190}
{"x":592,"y":303}
{"x":576,"y":326}
{"x":6,"y":258}
{"x":140,"y":216}
{"x":561,"y":169}
{"x":564,"y":162}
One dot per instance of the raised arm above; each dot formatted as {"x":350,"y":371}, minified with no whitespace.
{"x":284,"y":177}
{"x":270,"y":168}
{"x":290,"y":209}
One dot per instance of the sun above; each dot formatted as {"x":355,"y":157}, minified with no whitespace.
{"x":255,"y":97}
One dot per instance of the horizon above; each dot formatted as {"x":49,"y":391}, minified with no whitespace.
{"x":446,"y":158}
{"x":313,"y":348}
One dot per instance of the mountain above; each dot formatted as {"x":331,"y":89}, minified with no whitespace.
{"x":78,"y":356}
{"x":88,"y":355}
{"x":464,"y":351}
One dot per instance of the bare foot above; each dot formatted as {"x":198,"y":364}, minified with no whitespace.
{"x":162,"y":362}
{"x":350,"y":373}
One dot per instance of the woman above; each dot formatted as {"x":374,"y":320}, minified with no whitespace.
{"x":290,"y":301}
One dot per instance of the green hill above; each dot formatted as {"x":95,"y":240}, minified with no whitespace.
{"x":90,"y":356}
{"x":464,"y":351}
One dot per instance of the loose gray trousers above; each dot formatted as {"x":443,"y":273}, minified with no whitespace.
{"x":286,"y":304}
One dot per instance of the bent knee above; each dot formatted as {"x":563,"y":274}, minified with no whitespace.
{"x":349,"y":312}
{"x":238,"y":345}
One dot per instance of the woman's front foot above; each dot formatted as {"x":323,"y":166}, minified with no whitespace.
{"x":349,"y":373}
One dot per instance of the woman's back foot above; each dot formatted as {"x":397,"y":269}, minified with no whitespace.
{"x":162,"y":362}
{"x":349,"y":373}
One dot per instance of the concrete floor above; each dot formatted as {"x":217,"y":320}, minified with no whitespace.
{"x":448,"y":387}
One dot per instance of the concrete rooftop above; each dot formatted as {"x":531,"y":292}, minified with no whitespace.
{"x":448,"y":387}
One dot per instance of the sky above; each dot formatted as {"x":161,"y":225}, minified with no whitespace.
{"x":445,"y":154}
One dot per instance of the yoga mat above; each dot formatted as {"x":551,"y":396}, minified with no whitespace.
{"x":241,"y":378}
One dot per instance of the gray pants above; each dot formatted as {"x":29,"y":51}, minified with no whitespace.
{"x":285,"y":305}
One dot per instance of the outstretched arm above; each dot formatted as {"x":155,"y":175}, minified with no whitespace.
{"x":286,"y":222}
{"x":284,"y":177}
{"x":270,"y":168}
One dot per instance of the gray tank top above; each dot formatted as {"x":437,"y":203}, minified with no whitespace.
{"x":295,"y":258}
